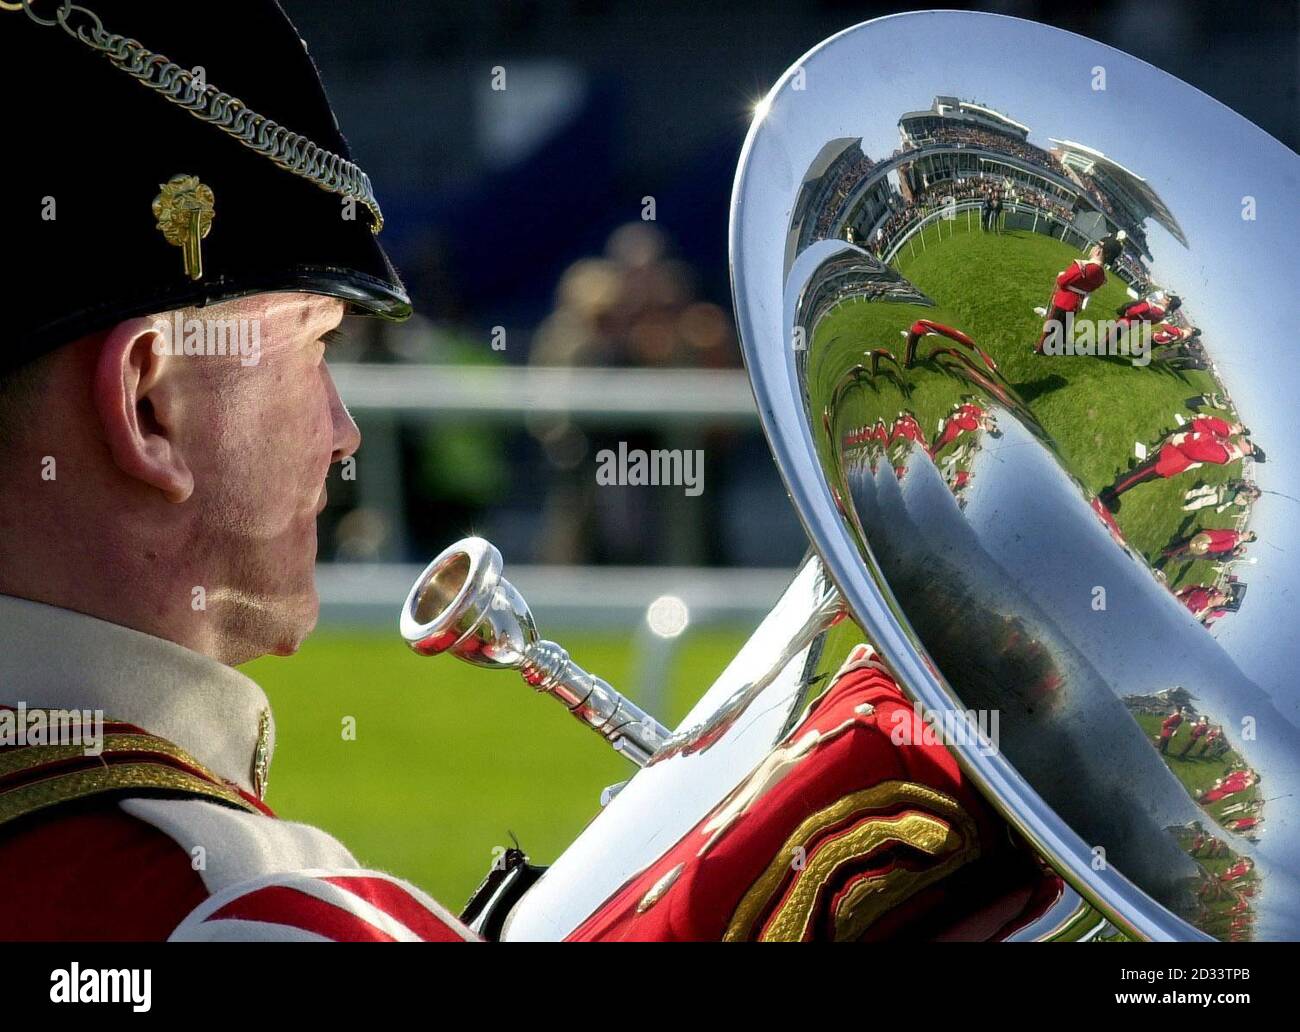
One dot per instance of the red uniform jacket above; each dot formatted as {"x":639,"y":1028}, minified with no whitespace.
{"x":122,"y":866}
{"x":965,"y":420}
{"x":1080,"y":278}
{"x":1196,"y":598}
{"x":1188,"y":450}
{"x":842,"y":833}
{"x":1211,"y":425}
{"x":1169,"y":335}
{"x":1222,"y":539}
{"x":1141,"y":311}
{"x":906,"y":428}
{"x":156,"y":828}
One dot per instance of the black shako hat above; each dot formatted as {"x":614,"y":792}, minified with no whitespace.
{"x":167,"y":154}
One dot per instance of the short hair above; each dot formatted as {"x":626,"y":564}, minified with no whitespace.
{"x":20,"y":394}
{"x":22,"y":387}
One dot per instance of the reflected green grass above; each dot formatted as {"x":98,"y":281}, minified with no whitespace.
{"x":1095,"y":409}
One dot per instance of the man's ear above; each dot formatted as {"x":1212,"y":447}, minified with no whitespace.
{"x":138,"y":396}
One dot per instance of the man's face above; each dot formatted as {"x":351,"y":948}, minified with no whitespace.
{"x":259,"y":437}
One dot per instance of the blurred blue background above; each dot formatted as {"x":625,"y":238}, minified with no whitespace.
{"x":504,"y":210}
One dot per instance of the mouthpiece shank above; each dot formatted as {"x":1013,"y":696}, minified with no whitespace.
{"x":631,"y":731}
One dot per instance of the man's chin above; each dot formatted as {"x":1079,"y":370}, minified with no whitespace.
{"x":276,"y":627}
{"x":287,"y":647}
{"x":299,"y":625}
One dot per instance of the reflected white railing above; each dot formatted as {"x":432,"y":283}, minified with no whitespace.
{"x":1050,"y":223}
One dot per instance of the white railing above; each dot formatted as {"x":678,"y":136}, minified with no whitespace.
{"x":381,"y":396}
{"x":590,"y":596}
{"x":563,"y":598}
{"x":513,"y":393}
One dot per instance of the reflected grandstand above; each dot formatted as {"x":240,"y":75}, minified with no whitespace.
{"x":953,"y":158}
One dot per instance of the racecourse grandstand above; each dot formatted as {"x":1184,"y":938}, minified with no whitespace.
{"x":953,"y":122}
{"x":1124,"y":195}
{"x":959,"y":156}
{"x":828,"y":185}
{"x":853,"y":275}
{"x":956,"y":140}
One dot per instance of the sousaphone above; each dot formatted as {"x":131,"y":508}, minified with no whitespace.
{"x":1075,"y":532}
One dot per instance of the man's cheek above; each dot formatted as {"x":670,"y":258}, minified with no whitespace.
{"x":254,"y":478}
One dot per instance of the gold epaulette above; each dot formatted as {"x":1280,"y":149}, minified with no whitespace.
{"x":36,"y":777}
{"x":850,"y":863}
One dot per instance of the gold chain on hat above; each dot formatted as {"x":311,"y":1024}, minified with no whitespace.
{"x":291,"y":151}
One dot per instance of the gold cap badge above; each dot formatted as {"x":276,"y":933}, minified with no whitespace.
{"x":184,"y":211}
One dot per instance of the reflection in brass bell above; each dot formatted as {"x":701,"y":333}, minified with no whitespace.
{"x":1020,"y":371}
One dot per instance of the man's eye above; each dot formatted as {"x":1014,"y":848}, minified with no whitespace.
{"x":332,"y":337}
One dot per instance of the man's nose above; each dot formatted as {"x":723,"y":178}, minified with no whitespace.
{"x":347,"y":437}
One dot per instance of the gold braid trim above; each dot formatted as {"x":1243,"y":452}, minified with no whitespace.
{"x":942,"y":831}
{"x":80,"y":784}
{"x":32,"y":756}
{"x":870,"y":898}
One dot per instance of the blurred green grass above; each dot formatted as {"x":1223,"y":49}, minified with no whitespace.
{"x":447,"y":759}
